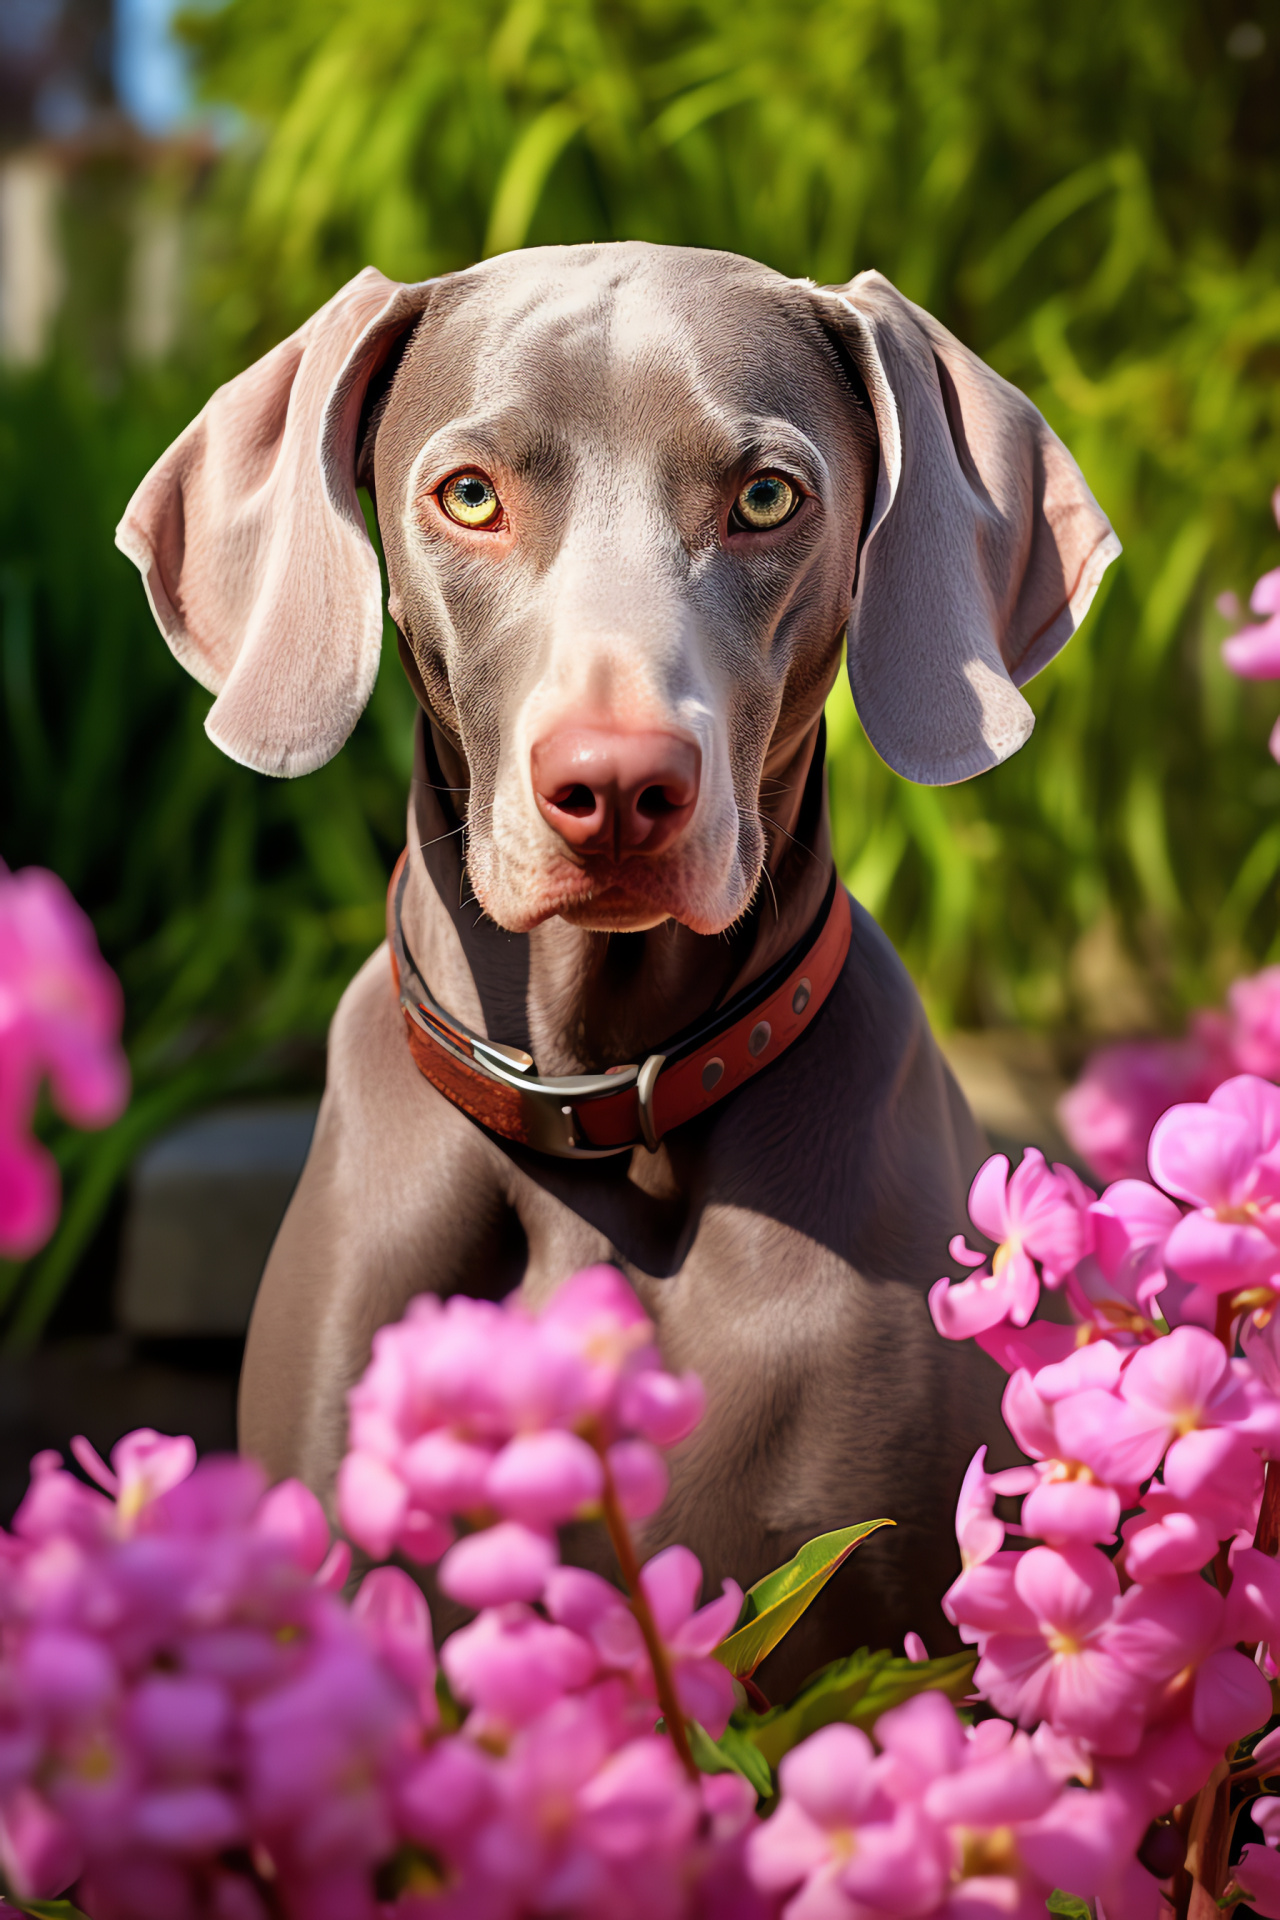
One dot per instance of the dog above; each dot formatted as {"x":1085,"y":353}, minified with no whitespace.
{"x":634,"y":502}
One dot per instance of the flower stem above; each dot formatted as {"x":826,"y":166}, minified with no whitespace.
{"x":624,"y":1547}
{"x":1205,"y":1848}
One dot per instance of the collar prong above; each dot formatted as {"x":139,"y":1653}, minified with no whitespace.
{"x":645,"y":1083}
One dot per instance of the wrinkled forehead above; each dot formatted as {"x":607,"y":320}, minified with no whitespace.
{"x":660,"y":346}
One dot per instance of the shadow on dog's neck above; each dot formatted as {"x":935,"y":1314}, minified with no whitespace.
{"x":580,"y":1001}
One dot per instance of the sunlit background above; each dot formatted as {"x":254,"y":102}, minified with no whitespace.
{"x":1088,"y":196}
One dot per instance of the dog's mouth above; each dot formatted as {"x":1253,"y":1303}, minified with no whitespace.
{"x":602,"y":895}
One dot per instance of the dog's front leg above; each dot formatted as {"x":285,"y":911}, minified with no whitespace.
{"x":401,"y":1194}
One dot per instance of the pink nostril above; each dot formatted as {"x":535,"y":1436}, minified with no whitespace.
{"x":616,"y":793}
{"x":655,"y":801}
{"x":576,"y":800}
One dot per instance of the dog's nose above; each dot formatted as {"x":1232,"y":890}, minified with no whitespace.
{"x":616,"y":793}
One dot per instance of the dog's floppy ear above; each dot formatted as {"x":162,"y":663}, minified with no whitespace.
{"x":984,"y":547}
{"x":250,"y":539}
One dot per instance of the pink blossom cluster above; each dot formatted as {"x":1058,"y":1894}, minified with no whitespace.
{"x":1147,"y":1641}
{"x":583,"y":1810}
{"x":938,"y":1819}
{"x":558,"y":1794}
{"x":514,"y":1422}
{"x":1109,"y":1114}
{"x":193,"y":1726}
{"x":60,"y":1015}
{"x":191,"y":1722}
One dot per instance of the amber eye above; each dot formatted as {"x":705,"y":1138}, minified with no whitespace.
{"x":766,"y":501}
{"x":469,"y":498}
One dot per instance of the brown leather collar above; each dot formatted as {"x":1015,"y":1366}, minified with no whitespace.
{"x":588,"y":1116}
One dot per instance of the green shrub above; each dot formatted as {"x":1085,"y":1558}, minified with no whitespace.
{"x":1089,"y":197}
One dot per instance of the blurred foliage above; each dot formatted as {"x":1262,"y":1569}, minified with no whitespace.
{"x":1089,"y":198}
{"x":234,"y":908}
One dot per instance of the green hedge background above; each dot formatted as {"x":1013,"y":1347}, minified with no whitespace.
{"x":1089,"y":197}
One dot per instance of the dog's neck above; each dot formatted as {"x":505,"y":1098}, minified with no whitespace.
{"x":580,"y":1001}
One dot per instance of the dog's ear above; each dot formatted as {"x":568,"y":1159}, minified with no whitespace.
{"x":250,"y":539}
{"x":983,"y":550}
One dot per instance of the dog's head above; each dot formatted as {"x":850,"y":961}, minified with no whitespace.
{"x":630,"y":497}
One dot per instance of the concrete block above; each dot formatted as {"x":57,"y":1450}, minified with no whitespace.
{"x":205,"y":1203}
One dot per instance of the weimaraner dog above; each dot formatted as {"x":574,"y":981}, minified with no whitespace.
{"x":632,"y":499}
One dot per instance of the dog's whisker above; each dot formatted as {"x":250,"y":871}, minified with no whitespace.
{"x":424,"y":844}
{"x":766,"y":821}
{"x":765,"y":873}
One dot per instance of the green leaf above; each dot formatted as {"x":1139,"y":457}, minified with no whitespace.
{"x":1069,"y":1905}
{"x":45,"y":1909}
{"x":858,"y":1690}
{"x":732,"y":1753}
{"x":775,"y":1603}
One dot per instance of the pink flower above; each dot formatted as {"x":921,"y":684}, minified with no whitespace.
{"x":1165,"y":1539}
{"x":146,"y":1464}
{"x":1031,"y":1347}
{"x":38,"y":1850}
{"x":60,"y":1014}
{"x":1257,"y":1874}
{"x":661,"y":1408}
{"x":588,"y":1816}
{"x":291,"y":1514}
{"x":1124,"y":1285}
{"x":946,"y":1821}
{"x":512,"y":1665}
{"x":1169,"y":1766}
{"x":597,"y":1318}
{"x":396,"y":1620}
{"x":831,"y":1795}
{"x":1037,"y":1214}
{"x":1254,"y":1005}
{"x":468,"y":1409}
{"x":639,"y":1476}
{"x":446,"y":1795}
{"x":1183,"y":1385}
{"x":545,"y":1478}
{"x":1254,"y":652}
{"x":1072,"y":1652}
{"x":1071,"y":1416}
{"x":1253,"y":1604}
{"x":1066,"y":1509}
{"x":176,"y":1685}
{"x":671,"y":1582}
{"x":1221,"y":1157}
{"x":978,"y":1532}
{"x":1231,"y":1698}
{"x":498,"y":1565}
{"x":1109,"y":1113}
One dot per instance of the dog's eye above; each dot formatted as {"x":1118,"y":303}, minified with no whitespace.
{"x":766,"y":501}
{"x":470,"y":499}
